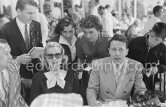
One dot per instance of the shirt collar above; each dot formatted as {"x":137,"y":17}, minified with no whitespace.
{"x":120,"y":64}
{"x":21,"y":24}
{"x":62,"y":40}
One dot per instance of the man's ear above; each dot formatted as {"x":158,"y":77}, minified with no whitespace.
{"x":18,"y":11}
{"x":127,"y":50}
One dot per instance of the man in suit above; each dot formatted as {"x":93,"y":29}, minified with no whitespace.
{"x":22,"y":34}
{"x":114,"y":77}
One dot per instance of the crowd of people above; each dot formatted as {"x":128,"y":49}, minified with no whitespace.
{"x":87,"y":55}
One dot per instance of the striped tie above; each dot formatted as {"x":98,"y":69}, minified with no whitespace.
{"x":27,"y":39}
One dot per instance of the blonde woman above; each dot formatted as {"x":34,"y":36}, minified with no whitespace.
{"x":54,"y":78}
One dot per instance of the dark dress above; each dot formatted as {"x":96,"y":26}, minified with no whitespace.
{"x":39,"y":85}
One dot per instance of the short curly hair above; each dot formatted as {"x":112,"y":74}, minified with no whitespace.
{"x":66,"y":21}
{"x":91,"y":21}
{"x":121,"y":38}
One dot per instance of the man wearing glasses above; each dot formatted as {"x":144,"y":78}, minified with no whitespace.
{"x":151,"y":52}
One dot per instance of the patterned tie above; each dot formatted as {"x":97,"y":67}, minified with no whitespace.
{"x":27,"y":39}
{"x":117,"y":73}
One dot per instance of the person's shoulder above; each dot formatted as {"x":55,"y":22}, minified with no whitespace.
{"x":7,"y":25}
{"x":163,"y":45}
{"x":134,"y":63}
{"x":101,"y":60}
{"x":137,"y":40}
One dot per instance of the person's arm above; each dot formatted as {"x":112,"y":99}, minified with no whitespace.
{"x":35,"y":87}
{"x":93,"y":87}
{"x":139,"y":85}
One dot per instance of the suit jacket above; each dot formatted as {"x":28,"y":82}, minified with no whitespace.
{"x":102,"y":83}
{"x":12,"y":34}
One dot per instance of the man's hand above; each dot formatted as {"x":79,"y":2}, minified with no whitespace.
{"x":153,"y":70}
{"x":23,"y":59}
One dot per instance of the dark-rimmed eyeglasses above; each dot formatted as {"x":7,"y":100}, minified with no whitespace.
{"x":51,"y":56}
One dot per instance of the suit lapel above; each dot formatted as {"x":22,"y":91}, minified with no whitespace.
{"x":17,"y":37}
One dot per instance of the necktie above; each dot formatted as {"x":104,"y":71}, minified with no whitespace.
{"x":117,"y":72}
{"x":27,"y":38}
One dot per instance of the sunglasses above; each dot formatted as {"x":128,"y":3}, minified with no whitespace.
{"x":51,"y":56}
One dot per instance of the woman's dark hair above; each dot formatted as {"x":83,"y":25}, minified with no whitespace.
{"x":91,"y":21}
{"x":121,"y":38}
{"x":63,"y":23}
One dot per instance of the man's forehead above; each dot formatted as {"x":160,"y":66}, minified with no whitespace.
{"x":117,"y":44}
{"x":30,"y":8}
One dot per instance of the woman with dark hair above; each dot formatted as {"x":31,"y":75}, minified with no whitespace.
{"x":54,"y":78}
{"x":91,"y":45}
{"x":65,"y":35}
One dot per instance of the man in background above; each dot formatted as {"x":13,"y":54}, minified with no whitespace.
{"x":22,"y":34}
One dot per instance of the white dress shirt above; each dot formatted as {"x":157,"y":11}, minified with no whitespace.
{"x":21,"y":26}
{"x":72,"y":47}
